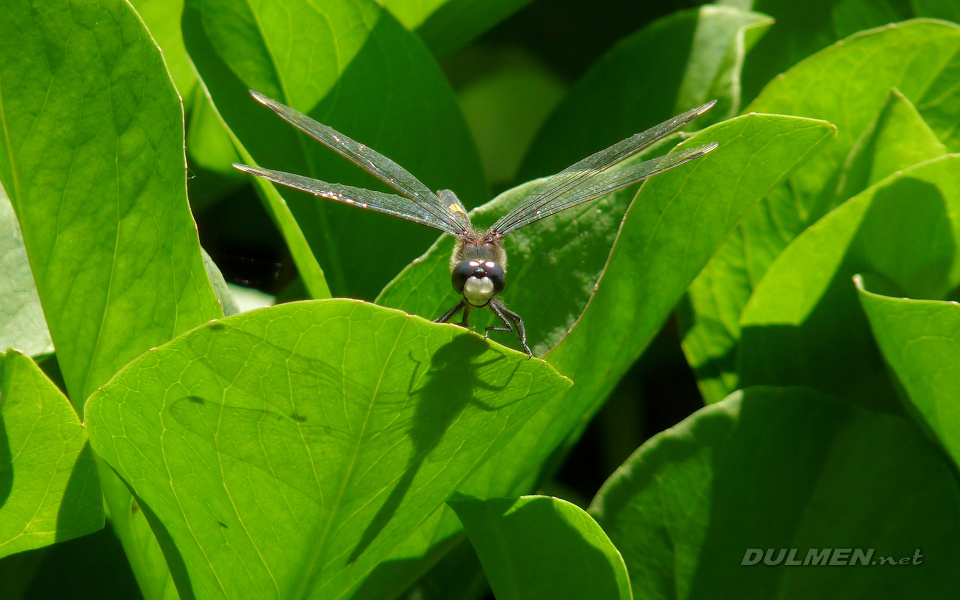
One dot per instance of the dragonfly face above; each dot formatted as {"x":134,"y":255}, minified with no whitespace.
{"x":478,"y":275}
{"x":478,"y":265}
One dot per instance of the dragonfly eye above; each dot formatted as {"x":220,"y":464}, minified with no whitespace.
{"x":478,"y":281}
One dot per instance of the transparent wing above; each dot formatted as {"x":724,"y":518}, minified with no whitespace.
{"x":564,"y":189}
{"x":597,"y":187}
{"x":390,"y":204}
{"x":370,"y":161}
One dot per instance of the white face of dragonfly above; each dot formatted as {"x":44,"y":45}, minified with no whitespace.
{"x":478,"y":269}
{"x":478,"y":281}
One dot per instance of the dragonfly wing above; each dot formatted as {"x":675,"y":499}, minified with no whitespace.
{"x":382,"y":202}
{"x":597,"y":187}
{"x":366,"y":158}
{"x":538,"y":204}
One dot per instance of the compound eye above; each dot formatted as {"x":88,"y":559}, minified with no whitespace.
{"x":496,"y":275}
{"x":460,"y":275}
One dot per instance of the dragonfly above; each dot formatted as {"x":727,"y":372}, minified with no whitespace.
{"x":478,"y":265}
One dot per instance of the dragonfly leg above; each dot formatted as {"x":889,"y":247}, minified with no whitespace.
{"x":462,"y":305}
{"x":503,"y":313}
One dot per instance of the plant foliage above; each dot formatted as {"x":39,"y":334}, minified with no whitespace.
{"x":341,"y":445}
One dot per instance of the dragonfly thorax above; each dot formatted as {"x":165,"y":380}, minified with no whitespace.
{"x":477,"y":270}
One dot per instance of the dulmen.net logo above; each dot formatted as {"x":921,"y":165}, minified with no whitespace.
{"x":833,"y":557}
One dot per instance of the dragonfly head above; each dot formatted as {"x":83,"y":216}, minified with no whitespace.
{"x":478,"y":281}
{"x":478,"y":270}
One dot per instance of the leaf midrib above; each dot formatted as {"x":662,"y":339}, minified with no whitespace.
{"x":314,"y":562}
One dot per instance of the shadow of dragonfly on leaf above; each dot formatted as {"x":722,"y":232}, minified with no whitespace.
{"x":299,"y":435}
{"x":279,"y":412}
{"x":440,"y":405}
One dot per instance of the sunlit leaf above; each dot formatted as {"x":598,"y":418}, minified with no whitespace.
{"x":21,"y":316}
{"x":802,"y":27}
{"x":92,"y":158}
{"x":698,"y":53}
{"x":796,"y":479}
{"x":848,"y":84}
{"x":803,"y":324}
{"x":162,"y":18}
{"x":286,"y":451}
{"x":538,"y":547}
{"x":672,"y":227}
{"x":918,"y":339}
{"x":49,"y":489}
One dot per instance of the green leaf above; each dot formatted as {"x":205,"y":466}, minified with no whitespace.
{"x":212,"y":154}
{"x":541,"y":547}
{"x":675,"y":64}
{"x":143,"y":551}
{"x":668,"y":234}
{"x":209,"y":143}
{"x":802,"y":27}
{"x":446,"y":26}
{"x":458,"y":575}
{"x":93,"y":163}
{"x":789,"y":472}
{"x":21,"y":317}
{"x":506,"y":107}
{"x":848,"y":84}
{"x":353,"y":67}
{"x":849,"y":81}
{"x":162,"y":18}
{"x":92,"y":158}
{"x":228,"y":303}
{"x":286,"y":451}
{"x":49,"y":489}
{"x":580,"y":238}
{"x":919,"y":341}
{"x":804,"y":326}
{"x":898,"y":138}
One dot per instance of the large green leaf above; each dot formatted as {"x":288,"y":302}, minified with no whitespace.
{"x":668,"y":234}
{"x":802,"y":27}
{"x":445,"y":26}
{"x":49,"y":490}
{"x":538,"y":547}
{"x":675,"y":64}
{"x":506,"y":106}
{"x":898,"y":138}
{"x":93,"y":163}
{"x":21,"y":316}
{"x":286,"y":451}
{"x":786,"y":474}
{"x":354,"y":67}
{"x":92,"y":158}
{"x":803,"y":324}
{"x":162,"y":17}
{"x":848,"y":84}
{"x":919,"y":340}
